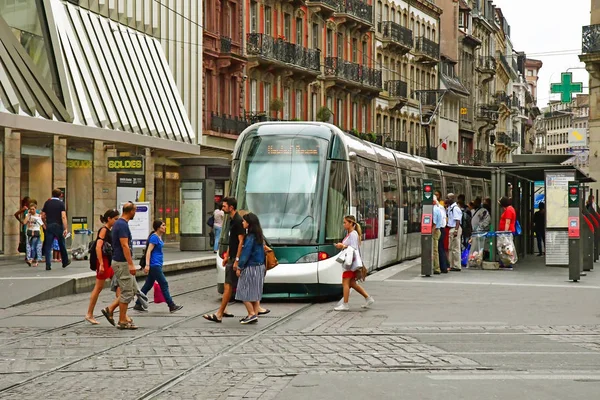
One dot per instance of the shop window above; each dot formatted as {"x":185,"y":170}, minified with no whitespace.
{"x":80,"y":190}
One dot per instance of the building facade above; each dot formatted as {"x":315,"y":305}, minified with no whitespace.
{"x":591,"y":56}
{"x":84,"y":83}
{"x":407,"y":35}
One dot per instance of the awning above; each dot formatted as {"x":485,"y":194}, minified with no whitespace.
{"x":528,"y":172}
{"x":454,"y":85}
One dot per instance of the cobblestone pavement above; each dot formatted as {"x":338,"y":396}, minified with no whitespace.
{"x":46,"y":350}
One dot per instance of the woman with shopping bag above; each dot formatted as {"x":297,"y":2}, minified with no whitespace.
{"x":154,"y":268}
{"x":508,"y":227}
{"x":352,"y":263}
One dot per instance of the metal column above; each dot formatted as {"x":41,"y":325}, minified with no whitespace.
{"x":575,"y":253}
{"x":426,"y":230}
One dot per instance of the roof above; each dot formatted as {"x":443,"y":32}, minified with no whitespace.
{"x":462,"y":4}
{"x":111,"y":77}
{"x":454,"y":85}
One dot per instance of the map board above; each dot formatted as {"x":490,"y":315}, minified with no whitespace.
{"x":140,"y":224}
{"x":557,"y":185}
{"x":192,"y":205}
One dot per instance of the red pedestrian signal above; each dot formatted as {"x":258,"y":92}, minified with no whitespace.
{"x":573,"y":191}
{"x":428,"y":188}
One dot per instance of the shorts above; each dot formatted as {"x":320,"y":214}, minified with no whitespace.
{"x":230,"y":275}
{"x":108,"y":270}
{"x":348,"y":275}
{"x":125,"y":281}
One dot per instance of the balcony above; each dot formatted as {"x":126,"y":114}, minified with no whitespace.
{"x":486,"y":65}
{"x":225,"y":44}
{"x":590,"y":39}
{"x":397,"y":93}
{"x":487,"y":112}
{"x":325,"y":7}
{"x":396,"y":37}
{"x":343,"y":72}
{"x":481,"y":157}
{"x":278,"y":53}
{"x":355,"y":14}
{"x":466,"y":159}
{"x":432,"y":152}
{"x":398,"y":145}
{"x":227,"y":124}
{"x":502,"y":139}
{"x":515,"y":137}
{"x":427,"y":51}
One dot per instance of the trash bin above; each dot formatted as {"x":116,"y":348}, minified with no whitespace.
{"x":506,"y":248}
{"x":476,"y":254}
{"x":82,"y":239}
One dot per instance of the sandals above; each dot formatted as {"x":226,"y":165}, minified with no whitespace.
{"x":126,"y":326}
{"x":109,"y":316}
{"x":212,"y":318}
{"x":227,"y":315}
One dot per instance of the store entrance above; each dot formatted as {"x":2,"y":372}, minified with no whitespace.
{"x":167,"y":199}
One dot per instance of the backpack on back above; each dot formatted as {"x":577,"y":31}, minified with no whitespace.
{"x":465,"y":223}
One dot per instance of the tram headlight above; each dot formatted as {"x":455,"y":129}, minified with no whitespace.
{"x":313,"y":257}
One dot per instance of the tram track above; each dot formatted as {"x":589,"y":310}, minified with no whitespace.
{"x":82,"y":321}
{"x":105,"y":349}
{"x":173,"y":381}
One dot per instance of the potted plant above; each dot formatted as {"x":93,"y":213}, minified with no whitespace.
{"x":371,"y":137}
{"x":354,"y":132}
{"x":275,"y":106}
{"x":324,"y":114}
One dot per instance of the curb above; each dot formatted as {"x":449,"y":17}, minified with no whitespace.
{"x":85,"y":283}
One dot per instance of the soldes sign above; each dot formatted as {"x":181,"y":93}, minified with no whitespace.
{"x":117,"y":164}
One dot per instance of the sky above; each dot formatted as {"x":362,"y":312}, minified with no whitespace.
{"x":539,"y":27}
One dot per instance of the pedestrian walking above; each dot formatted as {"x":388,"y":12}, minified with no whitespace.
{"x":352,"y":239}
{"x":33,"y":224}
{"x":20,"y":215}
{"x":122,"y":263}
{"x":218,"y":217}
{"x":54,"y":216}
{"x":251,"y":268}
{"x":154,"y":267}
{"x":104,"y":270}
{"x":454,"y":220}
{"x":539,"y":227}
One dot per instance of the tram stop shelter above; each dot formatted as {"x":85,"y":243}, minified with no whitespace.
{"x":516,"y":181}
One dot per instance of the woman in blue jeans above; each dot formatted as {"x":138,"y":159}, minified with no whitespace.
{"x":154,"y":267}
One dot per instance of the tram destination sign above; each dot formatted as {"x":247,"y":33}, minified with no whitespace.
{"x":121,"y":164}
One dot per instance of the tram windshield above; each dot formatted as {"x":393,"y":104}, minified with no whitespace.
{"x":278,"y":179}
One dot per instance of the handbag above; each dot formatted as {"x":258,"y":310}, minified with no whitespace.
{"x":159,"y":297}
{"x":270,"y":259}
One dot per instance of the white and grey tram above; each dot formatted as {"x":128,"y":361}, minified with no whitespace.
{"x":302,"y":178}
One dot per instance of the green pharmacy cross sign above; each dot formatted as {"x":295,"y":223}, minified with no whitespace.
{"x":566,"y":87}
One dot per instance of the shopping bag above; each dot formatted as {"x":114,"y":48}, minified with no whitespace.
{"x":464,"y":259}
{"x":518,"y":231}
{"x":158,"y":294}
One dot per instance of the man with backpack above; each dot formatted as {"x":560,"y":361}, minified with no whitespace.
{"x":465,"y":222}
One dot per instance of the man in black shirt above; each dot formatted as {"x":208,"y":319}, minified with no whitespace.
{"x":231,"y":257}
{"x":54,"y":215}
{"x":539,"y":227}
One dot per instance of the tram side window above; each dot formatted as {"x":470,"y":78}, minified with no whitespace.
{"x":390,"y":198}
{"x":417,"y":196}
{"x":365,"y":200}
{"x":337,"y":201}
{"x":406,"y":201}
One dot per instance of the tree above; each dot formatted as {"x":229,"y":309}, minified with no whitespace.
{"x":324,"y":114}
{"x":276,"y":105}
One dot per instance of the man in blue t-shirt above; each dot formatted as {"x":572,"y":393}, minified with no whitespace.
{"x":122,"y":263}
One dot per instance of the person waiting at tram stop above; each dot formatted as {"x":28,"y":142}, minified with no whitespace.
{"x":353,"y":240}
{"x":439,"y":224}
{"x":454,"y":221}
{"x":539,"y":227}
{"x":508,"y":220}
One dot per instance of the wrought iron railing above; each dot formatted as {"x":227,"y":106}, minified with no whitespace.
{"x":330,"y":3}
{"x":397,"y":33}
{"x":422,"y":152}
{"x":398,"y":145}
{"x":259,"y":44}
{"x":225,"y":44}
{"x":487,"y":63}
{"x":335,"y":66}
{"x":357,"y":8}
{"x":466,"y":158}
{"x":481,"y":157}
{"x":590,"y":38}
{"x":428,"y":47}
{"x":228,"y":124}
{"x":397,"y":88}
{"x":487,"y":111}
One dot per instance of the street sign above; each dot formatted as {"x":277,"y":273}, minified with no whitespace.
{"x":577,"y":138}
{"x":566,"y":87}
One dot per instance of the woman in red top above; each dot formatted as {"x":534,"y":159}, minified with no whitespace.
{"x":104,"y":269}
{"x":508,"y":219}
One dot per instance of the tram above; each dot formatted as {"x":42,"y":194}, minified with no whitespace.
{"x":302,"y":178}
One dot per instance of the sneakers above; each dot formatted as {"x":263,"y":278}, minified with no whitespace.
{"x":342,"y":307}
{"x":369,"y":302}
{"x":139,"y":308}
{"x":249,"y":320}
{"x":175,"y":308}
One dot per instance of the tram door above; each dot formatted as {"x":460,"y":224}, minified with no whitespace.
{"x":365,"y":200}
